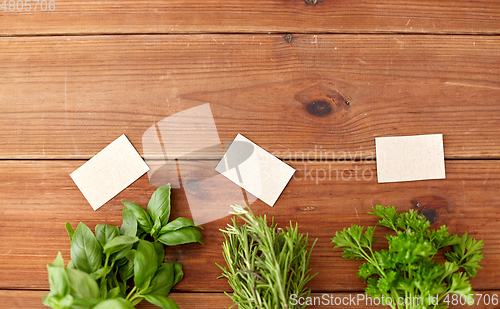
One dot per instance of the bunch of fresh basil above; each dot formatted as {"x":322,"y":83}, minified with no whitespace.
{"x":119,"y":267}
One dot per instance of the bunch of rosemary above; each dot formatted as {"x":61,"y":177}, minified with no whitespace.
{"x":265,"y":264}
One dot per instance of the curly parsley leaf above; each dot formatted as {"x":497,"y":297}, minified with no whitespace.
{"x":407,"y":268}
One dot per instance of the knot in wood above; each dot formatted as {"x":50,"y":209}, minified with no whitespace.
{"x":319,"y":108}
{"x":312,"y":2}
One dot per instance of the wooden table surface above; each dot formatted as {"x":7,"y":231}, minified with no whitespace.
{"x":75,"y":78}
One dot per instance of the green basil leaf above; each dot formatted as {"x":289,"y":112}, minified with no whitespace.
{"x":82,"y":285}
{"x":114,"y":292}
{"x":48,"y":300}
{"x":147,"y":287}
{"x":160,"y":251}
{"x":161,"y":301}
{"x":59,"y":261}
{"x":129,"y":225}
{"x":57,"y":301}
{"x":163,"y":280}
{"x":121,"y":254}
{"x":85,"y":302}
{"x":137,"y":300}
{"x":140,"y":232}
{"x":126,"y":271}
{"x":69,"y":228}
{"x":70,"y":264}
{"x":145,"y":264}
{"x":105,"y":233}
{"x":116,"y":303}
{"x":177,"y":224}
{"x":119,"y":243}
{"x":178,"y":272}
{"x":122,"y":260}
{"x":86,"y":252}
{"x":156,"y":227}
{"x":66,"y":302}
{"x":159,"y":204}
{"x":181,"y":236}
{"x":130,"y":264}
{"x":98,"y":273}
{"x":140,"y":215}
{"x":58,"y":278}
{"x":131,"y":255}
{"x":103,"y":288}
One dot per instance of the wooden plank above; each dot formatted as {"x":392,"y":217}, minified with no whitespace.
{"x":256,"y":16}
{"x":18,"y":299}
{"x":38,"y":197}
{"x":68,"y":97}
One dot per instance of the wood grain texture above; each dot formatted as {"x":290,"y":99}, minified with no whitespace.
{"x":38,"y":197}
{"x":255,"y":16}
{"x":32,"y":300}
{"x":68,"y":97}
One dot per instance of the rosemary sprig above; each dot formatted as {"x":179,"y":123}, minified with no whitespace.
{"x":265,"y":264}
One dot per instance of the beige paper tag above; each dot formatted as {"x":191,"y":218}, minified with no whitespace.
{"x":409,"y":158}
{"x":109,"y":172}
{"x":255,"y":170}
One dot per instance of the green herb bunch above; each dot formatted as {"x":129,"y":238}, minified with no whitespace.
{"x":119,"y":267}
{"x":265,"y":264}
{"x":406,"y":270}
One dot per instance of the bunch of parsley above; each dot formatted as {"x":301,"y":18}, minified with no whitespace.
{"x":407,"y":270}
{"x":118,"y":267}
{"x":265,"y":264}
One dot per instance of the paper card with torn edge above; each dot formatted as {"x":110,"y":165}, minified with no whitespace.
{"x":410,"y":158}
{"x":110,"y":171}
{"x":255,"y":170}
